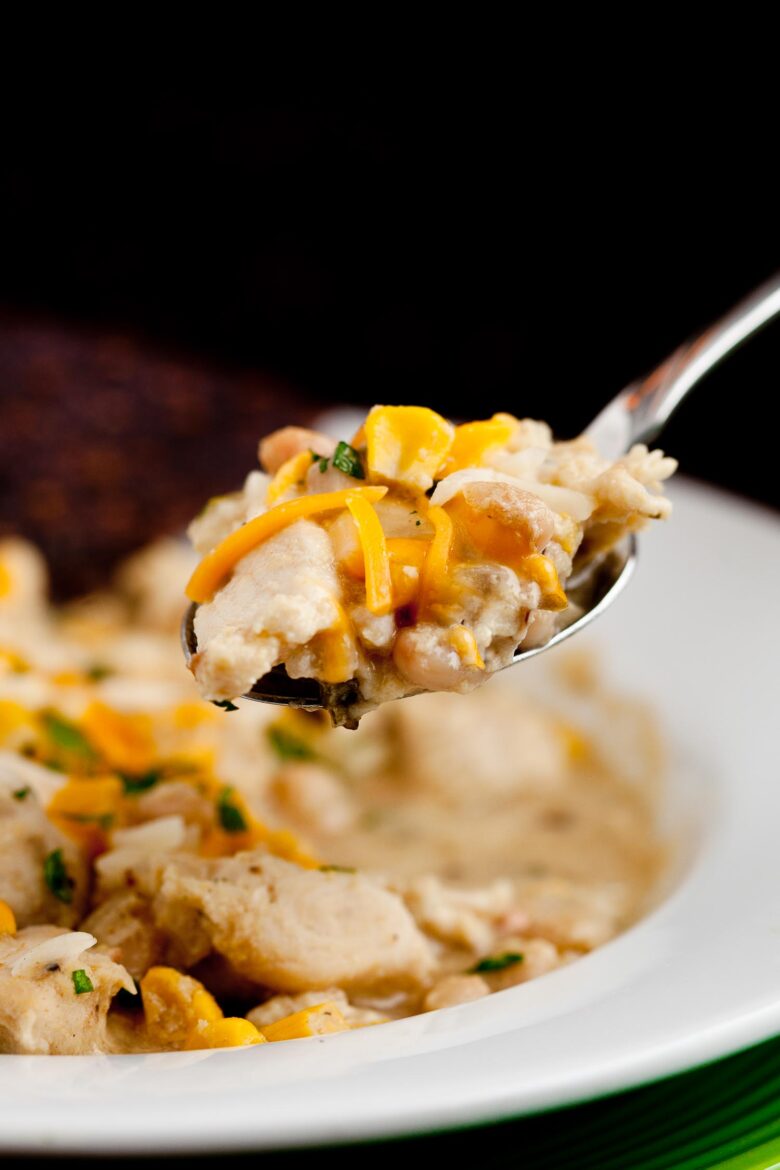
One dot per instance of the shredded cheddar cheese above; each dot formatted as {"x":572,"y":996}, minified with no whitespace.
{"x":541,"y":569}
{"x":474,"y":440}
{"x":7,"y":919}
{"x":379,"y":591}
{"x":407,"y":444}
{"x":465,"y":645}
{"x":220,"y":562}
{"x":437,"y":562}
{"x":289,"y":475}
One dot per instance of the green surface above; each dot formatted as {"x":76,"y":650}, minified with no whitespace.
{"x":725,"y":1116}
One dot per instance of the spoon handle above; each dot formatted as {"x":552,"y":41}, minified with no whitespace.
{"x":639,"y":413}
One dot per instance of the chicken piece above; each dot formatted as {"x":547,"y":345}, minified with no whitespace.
{"x":455,"y":989}
{"x":280,"y":1006}
{"x":575,"y":914}
{"x":125,"y":923}
{"x":426,"y":656}
{"x":540,"y":957}
{"x":27,"y":839}
{"x":280,"y":595}
{"x":450,"y":748}
{"x":223,"y":514}
{"x":43,"y":1008}
{"x":276,"y":448}
{"x":520,"y":510}
{"x":176,"y":798}
{"x":461,"y":917}
{"x":312,"y":798}
{"x":295,"y":929}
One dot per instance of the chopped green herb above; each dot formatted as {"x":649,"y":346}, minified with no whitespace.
{"x":322,"y":460}
{"x":98,"y":672}
{"x":230,"y":815}
{"x":142,"y":783}
{"x":288,"y":746}
{"x":337,"y":869}
{"x":21,"y":793}
{"x":225,"y":704}
{"x":347,"y":460}
{"x":418,"y":523}
{"x":57,"y":877}
{"x":66,"y":735}
{"x":81,"y":982}
{"x":496,"y":962}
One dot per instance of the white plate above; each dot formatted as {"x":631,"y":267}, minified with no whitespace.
{"x":698,"y":631}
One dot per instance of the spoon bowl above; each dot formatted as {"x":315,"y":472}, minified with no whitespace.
{"x":592,"y":591}
{"x":637,"y":415}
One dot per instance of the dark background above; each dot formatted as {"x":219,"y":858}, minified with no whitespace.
{"x":181,"y":273}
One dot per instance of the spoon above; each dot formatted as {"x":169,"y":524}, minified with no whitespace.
{"x":637,"y":414}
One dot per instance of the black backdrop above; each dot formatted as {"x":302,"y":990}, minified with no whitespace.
{"x":471,"y":249}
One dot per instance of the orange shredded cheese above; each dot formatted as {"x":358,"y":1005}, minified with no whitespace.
{"x":437,"y":563}
{"x":336,"y":650}
{"x":406,"y":444}
{"x":292,"y":472}
{"x":125,"y":741}
{"x":85,"y":810}
{"x":7,"y":919}
{"x":220,"y":562}
{"x":473,"y":441}
{"x":465,"y":646}
{"x":541,"y":569}
{"x":379,"y":590}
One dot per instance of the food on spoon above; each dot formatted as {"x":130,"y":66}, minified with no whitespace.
{"x":417,"y":557}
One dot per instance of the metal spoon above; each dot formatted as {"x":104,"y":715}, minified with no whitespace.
{"x":637,"y":415}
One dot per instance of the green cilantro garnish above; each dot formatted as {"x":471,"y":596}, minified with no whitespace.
{"x":496,"y":962}
{"x":225,"y":704}
{"x":230,"y":815}
{"x":135,"y":784}
{"x":57,"y":877}
{"x":321,"y":460}
{"x":66,"y":735}
{"x":21,"y":793}
{"x":81,"y":982}
{"x":97,"y":672}
{"x":288,"y":746}
{"x":347,"y":460}
{"x":337,"y":869}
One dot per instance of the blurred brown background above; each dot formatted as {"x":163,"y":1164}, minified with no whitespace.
{"x":182,"y":273}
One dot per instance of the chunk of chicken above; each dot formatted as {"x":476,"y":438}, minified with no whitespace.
{"x":453,"y":990}
{"x":27,"y":838}
{"x":295,"y":929}
{"x":41,"y":1010}
{"x":279,"y":597}
{"x":313,"y":798}
{"x":124,"y":922}
{"x":450,"y":748}
{"x":276,"y":448}
{"x":514,"y":507}
{"x":280,"y":1006}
